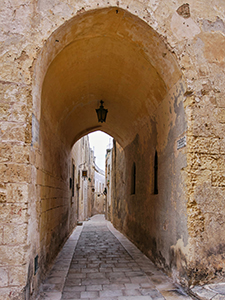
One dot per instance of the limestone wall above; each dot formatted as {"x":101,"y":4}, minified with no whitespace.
{"x":99,"y":199}
{"x":155,"y":218}
{"x":55,"y":218}
{"x":35,"y":147}
{"x":108,"y":181}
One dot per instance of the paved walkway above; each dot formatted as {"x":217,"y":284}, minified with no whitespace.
{"x":98,"y":262}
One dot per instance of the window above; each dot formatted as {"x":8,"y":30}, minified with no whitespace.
{"x":78,"y":179}
{"x":73,"y":172}
{"x":156,"y":173}
{"x":133,"y":179}
{"x":36,"y":267}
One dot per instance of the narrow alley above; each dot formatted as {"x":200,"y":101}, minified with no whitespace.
{"x":98,"y":262}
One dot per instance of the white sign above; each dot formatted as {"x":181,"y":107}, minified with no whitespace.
{"x":181,"y":143}
{"x":35,"y":130}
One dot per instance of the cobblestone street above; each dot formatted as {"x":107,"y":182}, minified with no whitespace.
{"x":98,"y":262}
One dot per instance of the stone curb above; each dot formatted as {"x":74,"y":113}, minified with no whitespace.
{"x":53,"y":291}
{"x":215,"y":291}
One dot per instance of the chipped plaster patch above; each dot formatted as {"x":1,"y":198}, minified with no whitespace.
{"x":184,"y":28}
{"x":218,"y":25}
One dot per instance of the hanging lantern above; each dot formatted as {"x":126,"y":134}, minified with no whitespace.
{"x":101,"y":113}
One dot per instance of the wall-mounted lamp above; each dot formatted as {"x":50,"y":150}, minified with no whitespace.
{"x":101,"y":113}
{"x":84,"y":173}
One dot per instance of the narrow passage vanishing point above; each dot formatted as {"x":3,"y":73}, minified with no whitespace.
{"x":98,"y":262}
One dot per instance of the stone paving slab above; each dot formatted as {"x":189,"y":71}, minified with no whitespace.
{"x":98,"y":262}
{"x":52,"y":287}
{"x":210,"y":291}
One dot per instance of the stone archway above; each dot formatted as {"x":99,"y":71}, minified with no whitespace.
{"x":97,"y":55}
{"x":112,"y":55}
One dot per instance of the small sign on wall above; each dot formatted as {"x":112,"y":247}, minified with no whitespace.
{"x":181,"y":143}
{"x":35,"y":130}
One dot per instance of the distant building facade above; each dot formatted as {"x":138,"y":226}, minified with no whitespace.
{"x":81,"y":179}
{"x":98,"y":204}
{"x":87,"y":181}
{"x":108,"y":181}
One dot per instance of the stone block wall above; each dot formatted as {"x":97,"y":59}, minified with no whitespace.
{"x":35,"y":168}
{"x":155,"y":218}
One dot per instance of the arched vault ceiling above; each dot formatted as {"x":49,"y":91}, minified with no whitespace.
{"x":107,"y":55}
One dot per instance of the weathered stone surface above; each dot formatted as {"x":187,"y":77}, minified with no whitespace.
{"x":14,"y":132}
{"x":17,"y":192}
{"x":221,"y":115}
{"x":15,"y":255}
{"x":5,"y":151}
{"x":20,"y":154}
{"x":17,"y":276}
{"x":204,"y":294}
{"x":5,"y":111}
{"x":219,"y":297}
{"x":207,"y":145}
{"x":15,"y":234}
{"x":202,"y":162}
{"x":1,"y":235}
{"x":13,"y":213}
{"x":218,"y":25}
{"x":14,"y":172}
{"x":11,"y":293}
{"x":3,"y":196}
{"x":184,"y":28}
{"x":15,"y":99}
{"x":3,"y":277}
{"x":218,"y":179}
{"x":214,"y":54}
